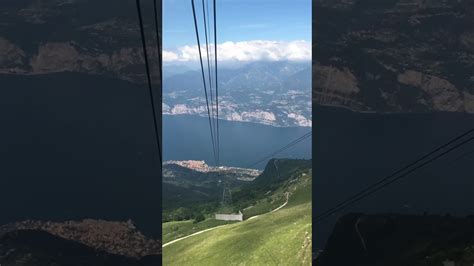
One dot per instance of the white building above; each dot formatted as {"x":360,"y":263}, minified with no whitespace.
{"x":230,"y":217}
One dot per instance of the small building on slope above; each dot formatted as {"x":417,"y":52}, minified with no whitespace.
{"x":230,"y":217}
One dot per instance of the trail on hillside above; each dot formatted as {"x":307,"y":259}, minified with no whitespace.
{"x":197,"y":233}
{"x":283,"y":205}
{"x":212,"y":228}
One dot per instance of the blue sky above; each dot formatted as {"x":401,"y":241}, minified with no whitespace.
{"x":239,"y":20}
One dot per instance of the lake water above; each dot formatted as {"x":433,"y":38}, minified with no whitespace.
{"x":187,"y":137}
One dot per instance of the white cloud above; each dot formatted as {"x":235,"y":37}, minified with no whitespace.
{"x":169,"y":56}
{"x":246,"y":51}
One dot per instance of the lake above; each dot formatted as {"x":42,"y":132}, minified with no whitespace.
{"x":187,"y":137}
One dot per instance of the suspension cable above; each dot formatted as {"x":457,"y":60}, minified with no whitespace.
{"x":204,"y":80}
{"x":145,"y":54}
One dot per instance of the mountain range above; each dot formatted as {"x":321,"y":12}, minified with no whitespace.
{"x":419,"y":58}
{"x":272,"y":93}
{"x":56,"y":38}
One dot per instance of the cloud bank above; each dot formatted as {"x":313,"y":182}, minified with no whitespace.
{"x":245,"y":51}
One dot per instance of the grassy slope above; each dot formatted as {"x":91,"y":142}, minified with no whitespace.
{"x":270,"y":239}
{"x":174,"y":230}
{"x":278,"y":197}
{"x":270,"y":188}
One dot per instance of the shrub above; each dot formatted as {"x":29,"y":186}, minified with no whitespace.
{"x":199,"y":218}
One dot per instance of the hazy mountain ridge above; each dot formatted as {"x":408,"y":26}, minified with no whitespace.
{"x":272,"y":93}
{"x":418,"y":58}
{"x":56,"y":38}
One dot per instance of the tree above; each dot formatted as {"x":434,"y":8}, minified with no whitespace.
{"x":198,"y":218}
{"x":182,"y":214}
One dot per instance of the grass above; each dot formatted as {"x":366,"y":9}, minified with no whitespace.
{"x":175,"y":230}
{"x":264,"y":206}
{"x":279,"y":238}
{"x":299,"y":188}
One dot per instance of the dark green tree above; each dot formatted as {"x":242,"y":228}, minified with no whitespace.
{"x":198,"y":218}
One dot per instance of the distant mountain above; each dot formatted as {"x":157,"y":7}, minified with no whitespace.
{"x":44,"y":37}
{"x":260,"y":75}
{"x":405,"y":56}
{"x":174,"y":69}
{"x":273,"y":93}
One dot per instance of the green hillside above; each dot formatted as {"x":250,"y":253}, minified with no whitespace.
{"x":189,"y":194}
{"x":282,"y":237}
{"x":177,"y":229}
{"x":269,"y":190}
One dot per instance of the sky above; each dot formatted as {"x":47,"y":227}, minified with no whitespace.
{"x":247,"y":30}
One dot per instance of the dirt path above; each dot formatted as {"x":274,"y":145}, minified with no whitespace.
{"x":286,"y":202}
{"x":212,"y":228}
{"x":283,"y":205}
{"x":197,"y":233}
